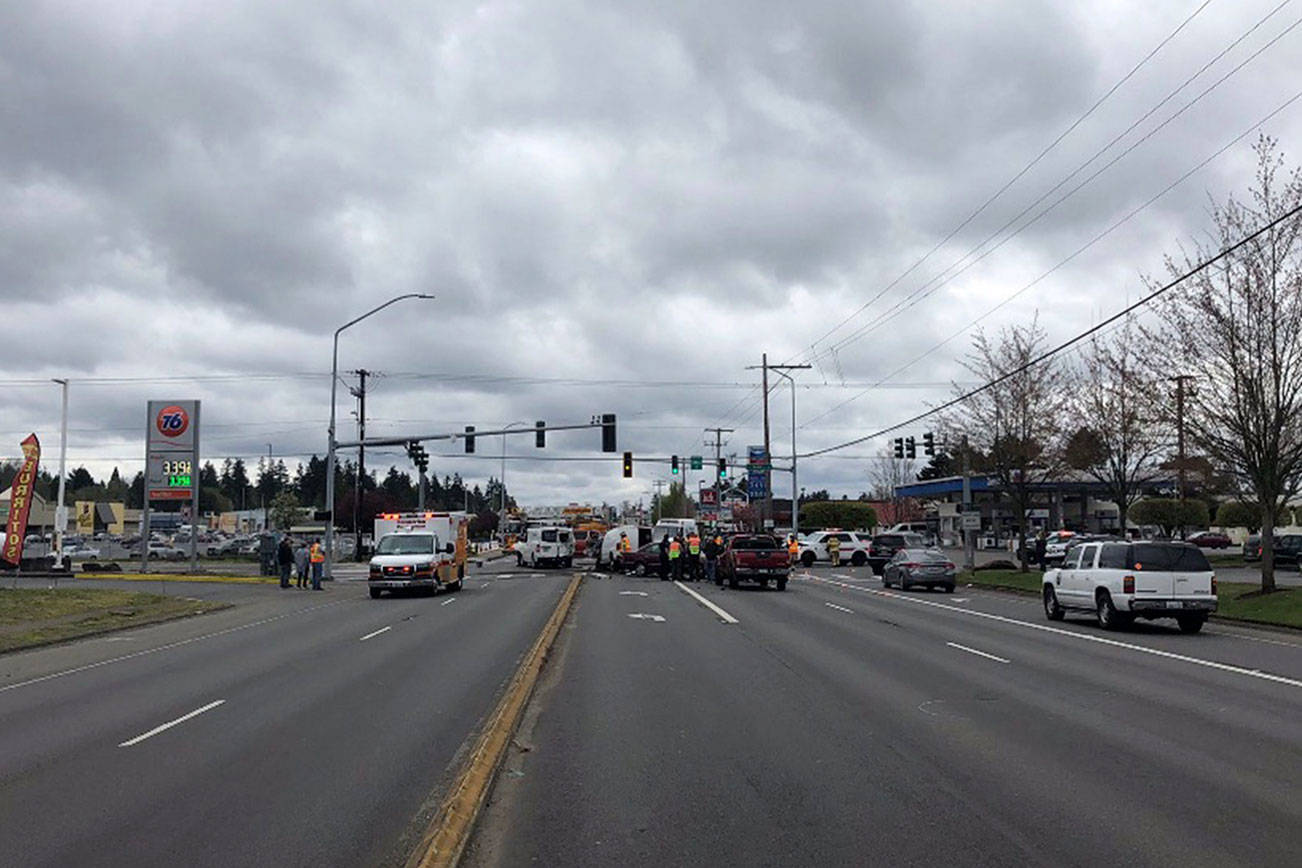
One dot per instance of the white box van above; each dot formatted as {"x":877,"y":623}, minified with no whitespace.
{"x":673,"y":526}
{"x":546,"y":545}
{"x":609,"y":551}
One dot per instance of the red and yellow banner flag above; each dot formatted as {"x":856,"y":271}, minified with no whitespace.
{"x":20,"y":501}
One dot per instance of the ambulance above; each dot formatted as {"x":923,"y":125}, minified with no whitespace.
{"x":419,"y":550}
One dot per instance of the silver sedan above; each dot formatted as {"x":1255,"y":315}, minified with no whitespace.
{"x":912,"y":567}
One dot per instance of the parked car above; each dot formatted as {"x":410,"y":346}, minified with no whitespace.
{"x":1207,"y":539}
{"x":884,"y":546}
{"x":1252,"y":547}
{"x":81,"y":552}
{"x":1119,"y":582}
{"x":754,"y":557}
{"x":1287,"y":549}
{"x":854,"y":547}
{"x":914,"y":566}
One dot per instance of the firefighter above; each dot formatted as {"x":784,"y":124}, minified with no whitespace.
{"x":694,"y":556}
{"x":834,"y":550}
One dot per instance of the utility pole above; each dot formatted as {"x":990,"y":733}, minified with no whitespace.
{"x":658,"y":485}
{"x":718,"y":445}
{"x":781,"y":370}
{"x":969,"y":537}
{"x":360,"y":394}
{"x":768,"y":453}
{"x":1179,"y":428}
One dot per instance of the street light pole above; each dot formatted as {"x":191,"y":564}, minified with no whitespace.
{"x":61,"y":511}
{"x":330,"y":453}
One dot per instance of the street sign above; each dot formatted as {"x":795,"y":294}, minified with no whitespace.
{"x":696,"y":462}
{"x":171,"y":464}
{"x":971,"y":521}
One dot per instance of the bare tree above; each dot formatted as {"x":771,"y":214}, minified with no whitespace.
{"x":885,"y":474}
{"x":1117,"y":440}
{"x":1016,"y":424}
{"x":1236,"y":327}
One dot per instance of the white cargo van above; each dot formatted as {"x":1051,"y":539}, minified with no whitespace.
{"x":546,"y":545}
{"x":637,"y":536}
{"x":673,"y":527}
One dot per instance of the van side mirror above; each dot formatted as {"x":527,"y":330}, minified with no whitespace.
{"x":449,"y":548}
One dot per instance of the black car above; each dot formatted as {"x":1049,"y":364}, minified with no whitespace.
{"x":885,"y":545}
{"x":1287,"y":548}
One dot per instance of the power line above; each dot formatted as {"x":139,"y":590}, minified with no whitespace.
{"x":1013,"y":180}
{"x":1099,"y":237}
{"x":1066,"y":344}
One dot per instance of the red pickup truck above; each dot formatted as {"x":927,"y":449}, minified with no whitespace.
{"x":755,"y":557}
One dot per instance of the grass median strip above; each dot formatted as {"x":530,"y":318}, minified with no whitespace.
{"x":32,"y":616}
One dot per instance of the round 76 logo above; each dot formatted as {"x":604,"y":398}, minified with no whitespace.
{"x":172,"y":421}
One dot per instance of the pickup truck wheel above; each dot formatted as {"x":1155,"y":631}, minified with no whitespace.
{"x":1109,"y":617}
{"x":764,"y":583}
{"x":375,"y":593}
{"x":858,"y":559}
{"x":455,"y":586}
{"x":1191,"y":623}
{"x":782,"y":584}
{"x":1052,"y":610}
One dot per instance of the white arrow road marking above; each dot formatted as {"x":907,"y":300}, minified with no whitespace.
{"x":976,"y":652}
{"x":376,"y":633}
{"x":723,"y":616}
{"x":839,"y":608}
{"x":643,"y":616}
{"x":632,"y":593}
{"x":182,"y":719}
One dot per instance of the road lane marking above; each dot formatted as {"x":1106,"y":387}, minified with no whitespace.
{"x":839,"y":608}
{"x":169,"y":646}
{"x":633,"y":593}
{"x":643,"y":616}
{"x":1084,"y":637}
{"x":182,"y":719}
{"x":448,"y":600}
{"x":976,"y":652}
{"x":376,"y":633}
{"x":723,"y":616}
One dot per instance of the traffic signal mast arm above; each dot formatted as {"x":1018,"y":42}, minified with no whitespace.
{"x":404,"y":440}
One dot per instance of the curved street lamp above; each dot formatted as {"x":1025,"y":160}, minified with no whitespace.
{"x":330,"y":454}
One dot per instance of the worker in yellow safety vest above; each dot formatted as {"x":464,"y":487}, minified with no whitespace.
{"x":693,"y":556}
{"x":676,"y":557}
{"x":793,"y":549}
{"x":316,"y":555}
{"x":625,"y":545}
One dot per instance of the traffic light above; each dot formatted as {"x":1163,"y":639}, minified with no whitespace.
{"x":608,"y":432}
{"x":540,"y":435}
{"x":419,"y":457}
{"x":899,"y":447}
{"x":723,"y":468}
{"x":929,"y":444}
{"x":673,"y":465}
{"x":628,"y":465}
{"x":910,"y":447}
{"x":470,"y":439}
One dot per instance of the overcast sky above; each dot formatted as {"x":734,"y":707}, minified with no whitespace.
{"x":620,"y":206}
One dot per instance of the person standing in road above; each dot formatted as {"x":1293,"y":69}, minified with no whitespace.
{"x":676,"y":557}
{"x":664,"y":557}
{"x":300,"y":563}
{"x":317,"y":556}
{"x":793,"y":550}
{"x":834,"y":550}
{"x":694,"y":556}
{"x":712,"y":552}
{"x":1041,"y":541}
{"x":285,"y":559}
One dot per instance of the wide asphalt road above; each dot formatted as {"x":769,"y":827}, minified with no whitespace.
{"x":309,"y":728}
{"x":840,"y":724}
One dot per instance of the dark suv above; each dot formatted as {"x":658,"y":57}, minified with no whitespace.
{"x":885,"y":545}
{"x":1288,"y":549}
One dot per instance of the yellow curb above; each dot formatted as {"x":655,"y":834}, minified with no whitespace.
{"x":445,"y":839}
{"x":177,"y":577}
